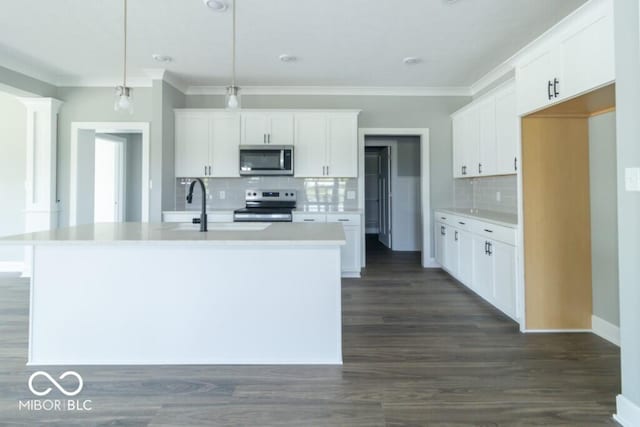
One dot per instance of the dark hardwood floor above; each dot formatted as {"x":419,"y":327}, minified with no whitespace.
{"x":419,"y":349}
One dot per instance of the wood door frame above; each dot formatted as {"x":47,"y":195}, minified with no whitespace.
{"x":428,"y":260}
{"x":110,"y":127}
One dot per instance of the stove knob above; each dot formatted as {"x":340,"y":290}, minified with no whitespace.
{"x":254,"y":194}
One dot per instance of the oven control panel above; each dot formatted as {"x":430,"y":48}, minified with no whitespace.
{"x":270,"y":195}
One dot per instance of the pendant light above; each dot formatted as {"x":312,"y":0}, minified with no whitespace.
{"x":232,"y":99}
{"x":124,"y":94}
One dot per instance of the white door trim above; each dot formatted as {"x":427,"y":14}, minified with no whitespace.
{"x":425,"y":188}
{"x":109,"y":127}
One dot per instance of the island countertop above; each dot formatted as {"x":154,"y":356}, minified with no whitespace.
{"x":232,"y":234}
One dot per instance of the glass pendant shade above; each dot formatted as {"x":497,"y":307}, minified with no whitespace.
{"x":233,"y":97}
{"x":124,"y":99}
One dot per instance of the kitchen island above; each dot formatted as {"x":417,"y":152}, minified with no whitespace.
{"x":136,"y":293}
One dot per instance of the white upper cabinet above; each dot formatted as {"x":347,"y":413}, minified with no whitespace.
{"x":342,"y":146}
{"x":267,"y":128}
{"x":206,"y":144}
{"x":577,"y":57}
{"x":192,"y":144}
{"x":487,"y":155}
{"x":485,"y":135}
{"x":309,"y":152}
{"x":326,"y":145}
{"x":224,"y":152}
{"x":507,"y":132}
{"x":588,"y":57}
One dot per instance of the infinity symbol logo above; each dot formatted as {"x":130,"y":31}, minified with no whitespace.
{"x":55,"y":383}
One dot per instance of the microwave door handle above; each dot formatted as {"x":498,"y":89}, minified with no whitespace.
{"x":281,"y":159}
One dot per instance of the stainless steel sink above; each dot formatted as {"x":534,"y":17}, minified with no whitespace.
{"x":222,"y":226}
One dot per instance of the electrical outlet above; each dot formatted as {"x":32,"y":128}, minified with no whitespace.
{"x":632,"y":179}
{"x":351,"y":195}
{"x":498,"y":196}
{"x":222,"y":194}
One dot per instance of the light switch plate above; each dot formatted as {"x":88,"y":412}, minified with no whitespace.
{"x":222,"y":194}
{"x":498,"y":196}
{"x":351,"y":195}
{"x":632,"y":179}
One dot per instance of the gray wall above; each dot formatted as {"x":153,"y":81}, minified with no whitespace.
{"x":604,"y":221}
{"x":171,"y":98}
{"x":96,"y":105}
{"x":19,"y":84}
{"x":13,"y":128}
{"x":627,"y":36}
{"x":133,"y":204}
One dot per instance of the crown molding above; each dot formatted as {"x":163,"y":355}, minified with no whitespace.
{"x":334,"y":90}
{"x":134,"y":82}
{"x":491,"y":77}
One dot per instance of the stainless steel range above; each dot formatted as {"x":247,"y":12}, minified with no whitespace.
{"x":267,"y":206}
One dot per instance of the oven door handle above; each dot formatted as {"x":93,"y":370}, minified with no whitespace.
{"x":282,"y":159}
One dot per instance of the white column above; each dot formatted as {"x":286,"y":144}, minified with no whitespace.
{"x":41,"y":208}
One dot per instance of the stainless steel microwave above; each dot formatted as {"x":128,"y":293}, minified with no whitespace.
{"x":257,"y":160}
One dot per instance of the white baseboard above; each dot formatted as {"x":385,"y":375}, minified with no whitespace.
{"x":606,"y":330}
{"x":628,"y":413}
{"x":556,"y":331}
{"x":11,"y":267}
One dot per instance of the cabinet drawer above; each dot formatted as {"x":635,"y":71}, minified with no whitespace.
{"x":347,"y":219}
{"x":309,"y":217}
{"x":495,"y":232}
{"x":460,"y":222}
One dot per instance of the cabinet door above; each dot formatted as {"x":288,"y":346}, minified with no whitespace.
{"x":457,"y":129}
{"x":254,"y":128}
{"x":280,"y":129}
{"x":588,"y":57}
{"x":342,"y":146}
{"x":310,"y":146}
{"x":191,"y":144}
{"x":487,"y":138}
{"x":504,"y":277}
{"x":471,"y":142}
{"x":466,"y":258}
{"x":225,"y":145}
{"x":451,"y":257}
{"x":482,"y":269}
{"x":350,"y":252}
{"x":440,"y":242}
{"x":507,"y":138}
{"x":533,"y":79}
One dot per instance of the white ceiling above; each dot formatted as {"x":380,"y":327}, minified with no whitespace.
{"x":338,"y":42}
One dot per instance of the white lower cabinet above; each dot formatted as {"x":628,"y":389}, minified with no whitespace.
{"x":351,"y":252}
{"x":480,"y":255}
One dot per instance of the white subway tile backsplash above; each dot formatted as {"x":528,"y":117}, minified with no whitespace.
{"x":480,"y":193}
{"x":329,"y":192}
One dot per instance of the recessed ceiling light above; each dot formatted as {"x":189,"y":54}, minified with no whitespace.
{"x":161,"y":58}
{"x":412,"y":60}
{"x":217,"y":5}
{"x":287,"y":58}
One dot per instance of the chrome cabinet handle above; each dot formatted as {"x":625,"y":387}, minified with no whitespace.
{"x":264,"y":138}
{"x":479,"y":167}
{"x":515,"y":163}
{"x":205,"y":170}
{"x":309,"y":220}
{"x":455,"y":236}
{"x":268,"y":138}
{"x":556,"y":82}
{"x":549,"y":90}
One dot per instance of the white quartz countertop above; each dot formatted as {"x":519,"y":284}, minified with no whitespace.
{"x":325,"y":209}
{"x":238,"y":234}
{"x":499,"y":218}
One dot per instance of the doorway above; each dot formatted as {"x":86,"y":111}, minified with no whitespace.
{"x":109,"y":173}
{"x":406,"y":203}
{"x":109,"y":178}
{"x":378,"y":194}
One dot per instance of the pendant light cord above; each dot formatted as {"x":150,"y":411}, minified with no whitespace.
{"x":233,"y":50}
{"x":124,"y":73}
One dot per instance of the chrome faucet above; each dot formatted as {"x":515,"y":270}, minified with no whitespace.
{"x":203,"y":213}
